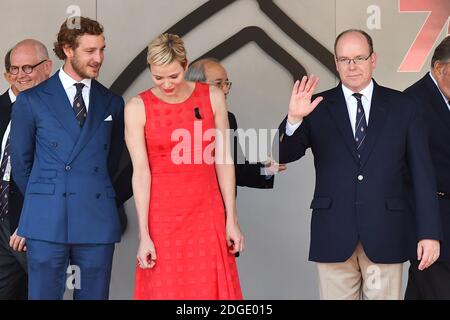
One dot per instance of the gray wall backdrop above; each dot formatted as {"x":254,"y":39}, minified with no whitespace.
{"x":275,"y":222}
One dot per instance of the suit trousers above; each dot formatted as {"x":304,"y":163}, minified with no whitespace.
{"x":358,"y":278}
{"x":432,"y":283}
{"x":49,"y":276}
{"x":13,"y":267}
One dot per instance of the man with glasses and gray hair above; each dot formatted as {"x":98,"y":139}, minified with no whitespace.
{"x":253,"y":175}
{"x":432,"y":94}
{"x":26,"y":65}
{"x":370,"y":154}
{"x":30,"y":64}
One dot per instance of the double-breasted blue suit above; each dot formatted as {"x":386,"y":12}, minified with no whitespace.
{"x":64,"y":170}
{"x":365,"y":199}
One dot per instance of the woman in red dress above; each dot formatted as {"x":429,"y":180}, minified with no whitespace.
{"x":183,"y":184}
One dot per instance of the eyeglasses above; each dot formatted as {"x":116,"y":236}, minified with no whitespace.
{"x":14,"y":70}
{"x":221,"y":84}
{"x":357,"y":60}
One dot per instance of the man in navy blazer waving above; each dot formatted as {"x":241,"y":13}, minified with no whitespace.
{"x":370,"y":152}
{"x":67,"y":136}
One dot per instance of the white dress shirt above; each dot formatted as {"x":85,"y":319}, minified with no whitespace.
{"x":68,"y":85}
{"x":351,"y":102}
{"x":447,"y":101}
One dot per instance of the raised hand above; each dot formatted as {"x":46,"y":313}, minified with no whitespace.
{"x":300,"y":105}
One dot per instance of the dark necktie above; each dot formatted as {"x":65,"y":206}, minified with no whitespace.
{"x":78,"y":104}
{"x":361,"y":124}
{"x":4,"y":185}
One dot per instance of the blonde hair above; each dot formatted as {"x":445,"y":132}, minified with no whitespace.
{"x":166,"y":49}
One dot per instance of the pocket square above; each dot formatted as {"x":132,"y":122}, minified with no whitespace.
{"x":109,"y":118}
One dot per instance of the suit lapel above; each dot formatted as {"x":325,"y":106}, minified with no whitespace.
{"x":438,"y":102}
{"x":55,"y":97}
{"x":338,"y":109}
{"x":377,"y":119}
{"x":98,"y":107}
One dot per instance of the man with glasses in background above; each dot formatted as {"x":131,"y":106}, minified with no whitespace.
{"x":253,"y":175}
{"x":26,"y":65}
{"x":370,"y":154}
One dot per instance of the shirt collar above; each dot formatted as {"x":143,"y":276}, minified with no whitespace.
{"x":366,"y":92}
{"x":12,"y":96}
{"x":437,"y":85}
{"x":68,"y":82}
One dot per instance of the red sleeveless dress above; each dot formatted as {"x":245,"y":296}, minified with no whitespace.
{"x":186,"y":213}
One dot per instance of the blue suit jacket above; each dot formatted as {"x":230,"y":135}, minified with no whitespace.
{"x":365,"y":199}
{"x":63,"y":170}
{"x":437,"y":118}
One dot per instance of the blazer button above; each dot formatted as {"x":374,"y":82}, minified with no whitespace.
{"x":98,"y":195}
{"x":360,"y":177}
{"x":68,"y":168}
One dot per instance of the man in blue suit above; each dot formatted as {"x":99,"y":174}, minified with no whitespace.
{"x":368,"y":144}
{"x":67,"y":137}
{"x":432,"y":94}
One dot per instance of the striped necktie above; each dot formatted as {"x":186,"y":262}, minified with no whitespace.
{"x":78,"y":104}
{"x":4,"y":181}
{"x":360,"y":125}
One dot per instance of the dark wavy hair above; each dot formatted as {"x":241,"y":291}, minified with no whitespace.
{"x":71,"y":30}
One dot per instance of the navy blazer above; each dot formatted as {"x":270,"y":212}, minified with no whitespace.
{"x":437,"y":118}
{"x":64,"y":171}
{"x":365,"y":199}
